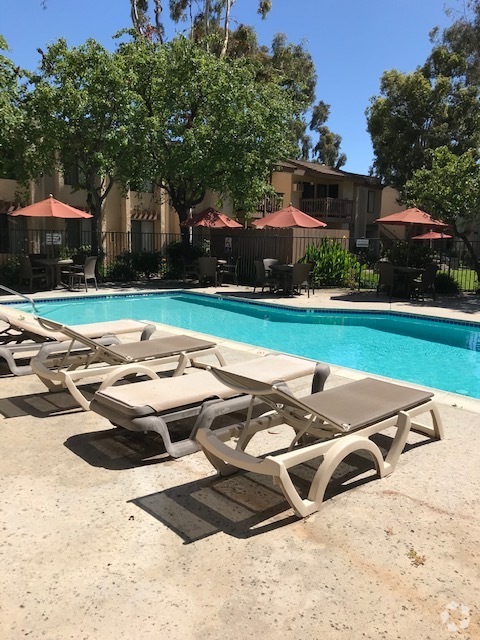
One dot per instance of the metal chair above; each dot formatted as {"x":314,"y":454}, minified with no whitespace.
{"x":301,"y":278}
{"x":262,"y":278}
{"x":426,"y":283}
{"x":81,"y":275}
{"x":386,"y":277}
{"x":207,"y":270}
{"x":230,"y":270}
{"x":190,"y":271}
{"x":30,"y":274}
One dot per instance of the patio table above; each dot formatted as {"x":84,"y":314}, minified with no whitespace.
{"x":53,"y":267}
{"x":282,"y":273}
{"x":403,"y":279}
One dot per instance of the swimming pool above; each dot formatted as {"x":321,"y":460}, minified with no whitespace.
{"x":436,"y":353}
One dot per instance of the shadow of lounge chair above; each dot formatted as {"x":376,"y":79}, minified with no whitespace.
{"x":329,"y":425}
{"x":150,"y":405}
{"x":64,"y":365}
{"x":21,"y":335}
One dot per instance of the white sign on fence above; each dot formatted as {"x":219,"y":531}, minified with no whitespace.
{"x":362,"y":243}
{"x":53,"y":238}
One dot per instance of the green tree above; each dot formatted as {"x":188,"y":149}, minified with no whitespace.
{"x":415,"y":113}
{"x":327,"y":149}
{"x":209,"y":123}
{"x":206,"y":18}
{"x":436,"y":105}
{"x":11,"y":93}
{"x":82,"y":113}
{"x":449,"y":190}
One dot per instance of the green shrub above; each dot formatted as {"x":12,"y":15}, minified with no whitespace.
{"x":333,"y":266}
{"x":177,"y":252}
{"x":121,"y":269}
{"x":10,"y":272}
{"x":445,"y":283}
{"x":146,"y":263}
{"x":413,"y":254}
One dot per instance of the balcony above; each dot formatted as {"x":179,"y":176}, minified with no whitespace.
{"x":270,"y":204}
{"x":328,"y":208}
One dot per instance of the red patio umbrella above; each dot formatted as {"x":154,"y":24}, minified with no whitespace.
{"x":431,"y":235}
{"x":412,"y":216}
{"x":211,"y":218}
{"x":51,"y":208}
{"x":286,"y":218}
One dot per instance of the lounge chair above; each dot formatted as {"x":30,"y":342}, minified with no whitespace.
{"x":150,"y":405}
{"x":328,"y":426}
{"x":64,"y":365}
{"x":21,"y":335}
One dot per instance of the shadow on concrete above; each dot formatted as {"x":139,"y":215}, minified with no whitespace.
{"x":466,"y":303}
{"x":248,"y":504}
{"x":118,"y":449}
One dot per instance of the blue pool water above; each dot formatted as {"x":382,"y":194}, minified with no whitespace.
{"x":444,"y":355}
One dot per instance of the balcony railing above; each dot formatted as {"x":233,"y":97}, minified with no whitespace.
{"x":269,"y":204}
{"x":328,"y":208}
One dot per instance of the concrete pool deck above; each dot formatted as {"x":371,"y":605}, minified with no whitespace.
{"x":105,"y":537}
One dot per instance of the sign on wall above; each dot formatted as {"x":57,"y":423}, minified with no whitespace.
{"x":53,"y":238}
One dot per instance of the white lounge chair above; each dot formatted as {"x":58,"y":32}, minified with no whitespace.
{"x":327,"y":426}
{"x":151,"y":405}
{"x":65,"y":365}
{"x":22,"y":336}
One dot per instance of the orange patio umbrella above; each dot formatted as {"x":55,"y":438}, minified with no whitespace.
{"x":51,"y":208}
{"x":432,"y":235}
{"x":211,"y":218}
{"x":286,"y":218}
{"x":412,"y":216}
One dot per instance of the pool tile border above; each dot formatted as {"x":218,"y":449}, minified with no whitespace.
{"x":265,"y":305}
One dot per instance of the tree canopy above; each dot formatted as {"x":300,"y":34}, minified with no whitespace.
{"x":209,"y":123}
{"x":11,"y":92}
{"x":436,"y":105}
{"x":80,"y":113}
{"x":450,"y":191}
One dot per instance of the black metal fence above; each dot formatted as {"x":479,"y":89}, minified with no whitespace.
{"x":451,"y":255}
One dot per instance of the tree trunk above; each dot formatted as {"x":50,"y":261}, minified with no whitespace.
{"x":95,"y":202}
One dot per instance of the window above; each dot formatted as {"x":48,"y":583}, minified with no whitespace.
{"x":308,"y":190}
{"x":78,"y":233}
{"x":326,"y":191}
{"x":73,"y":175}
{"x":142,"y":235}
{"x":333,"y":190}
{"x":371,"y":201}
{"x":321,"y":190}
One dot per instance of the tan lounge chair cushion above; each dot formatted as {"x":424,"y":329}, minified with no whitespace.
{"x":359,"y":411}
{"x":156,"y":396}
{"x":25,"y":321}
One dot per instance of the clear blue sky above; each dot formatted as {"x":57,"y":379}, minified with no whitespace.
{"x":351,"y":42}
